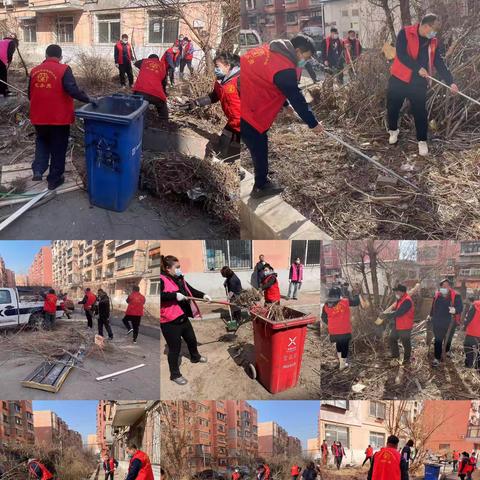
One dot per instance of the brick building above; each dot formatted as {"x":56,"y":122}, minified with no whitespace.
{"x":272,"y":440}
{"x":52,"y":431}
{"x":313,"y":448}
{"x":294,"y":447}
{"x":40,"y":271}
{"x":16,"y":422}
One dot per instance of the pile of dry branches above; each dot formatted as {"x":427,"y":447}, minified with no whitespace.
{"x":176,"y":176}
{"x":247,"y":298}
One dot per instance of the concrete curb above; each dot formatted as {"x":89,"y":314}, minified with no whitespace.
{"x":159,"y":140}
{"x":273,"y":218}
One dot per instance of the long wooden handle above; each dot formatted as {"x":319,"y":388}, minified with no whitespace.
{"x":219,"y":302}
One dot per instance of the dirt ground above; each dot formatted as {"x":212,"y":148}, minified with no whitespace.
{"x":16,"y":363}
{"x":449,"y":381}
{"x":224,"y":376}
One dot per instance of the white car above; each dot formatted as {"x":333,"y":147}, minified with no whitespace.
{"x":248,"y":39}
{"x":23,"y":305}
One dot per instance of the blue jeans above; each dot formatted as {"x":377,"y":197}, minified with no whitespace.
{"x":295,"y":286}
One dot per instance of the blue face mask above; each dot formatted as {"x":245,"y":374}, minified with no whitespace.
{"x":431,"y":34}
{"x":301,"y":63}
{"x":218,"y":73}
{"x":178,"y":272}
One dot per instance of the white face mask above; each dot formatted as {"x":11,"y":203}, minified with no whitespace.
{"x":444,"y":291}
{"x":335,"y":36}
{"x":266,"y":272}
{"x":124,"y":41}
{"x":398,"y":296}
{"x":178,"y":272}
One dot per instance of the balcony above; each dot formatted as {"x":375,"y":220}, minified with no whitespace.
{"x":127,"y":413}
{"x":65,"y":6}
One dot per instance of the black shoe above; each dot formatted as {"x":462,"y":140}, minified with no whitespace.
{"x":37,"y":177}
{"x":54,"y":185}
{"x":268,"y":190}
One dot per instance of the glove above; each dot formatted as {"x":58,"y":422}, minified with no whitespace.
{"x":208,"y":298}
{"x":180,"y":297}
{"x":451,"y":310}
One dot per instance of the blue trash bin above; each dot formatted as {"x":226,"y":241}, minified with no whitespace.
{"x":113,"y":149}
{"x":432,"y":471}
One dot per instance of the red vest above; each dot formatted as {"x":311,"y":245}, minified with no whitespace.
{"x":136,"y":301}
{"x":91,"y":299}
{"x":456,"y":455}
{"x":50,"y":303}
{"x":405,"y":322}
{"x":473,"y":328}
{"x":46,"y":89}
{"x":347,"y":44}
{"x":229,"y":98}
{"x":272,"y":294}
{"x":295,"y":470}
{"x":111,"y":464}
{"x":297,"y":276}
{"x":170,"y":311}
{"x":119,"y":46}
{"x":188,"y":48}
{"x":236,"y":476}
{"x":267,"y":472}
{"x":339,"y":317}
{"x":386,"y":464}
{"x":150,"y":78}
{"x":468,"y":466}
{"x":46,"y":475}
{"x":400,"y":70}
{"x":453,"y":294}
{"x":261,"y":99}
{"x":174,"y":55}
{"x":369,"y":452}
{"x":146,"y":472}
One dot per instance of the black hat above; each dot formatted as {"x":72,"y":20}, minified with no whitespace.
{"x":334,"y":294}
{"x":400,"y":288}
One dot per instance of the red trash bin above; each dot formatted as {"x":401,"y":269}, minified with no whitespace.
{"x":279,"y":347}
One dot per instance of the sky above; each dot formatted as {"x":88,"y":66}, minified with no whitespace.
{"x":80,"y":415}
{"x":18,"y":254}
{"x":299,"y":418}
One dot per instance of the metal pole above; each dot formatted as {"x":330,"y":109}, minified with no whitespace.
{"x":458,"y":93}
{"x":15,"y":88}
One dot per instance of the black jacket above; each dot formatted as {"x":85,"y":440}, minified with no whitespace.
{"x":104,"y":307}
{"x":234,"y":284}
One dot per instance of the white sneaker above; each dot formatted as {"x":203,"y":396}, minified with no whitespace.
{"x":342,"y":364}
{"x":422,"y":149}
{"x":393,"y":136}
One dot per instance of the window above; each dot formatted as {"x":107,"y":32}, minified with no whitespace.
{"x":65,"y":30}
{"x":343,"y":404}
{"x":234,"y":253}
{"x":29,"y":28}
{"x":344,"y":13}
{"x":108,"y":28}
{"x":161,"y":29}
{"x":292,"y":18}
{"x":268,"y":2}
{"x":269,"y":19}
{"x":251,"y":4}
{"x":307,"y":250}
{"x":336,"y":433}
{"x":124,"y":261}
{"x":377,"y":410}
{"x":154,"y":287}
{"x":376,"y":440}
{"x":470,"y":247}
{"x":355,"y":12}
{"x":5,"y":296}
{"x":444,"y":446}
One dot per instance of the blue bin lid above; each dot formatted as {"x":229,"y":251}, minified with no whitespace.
{"x":117,"y":108}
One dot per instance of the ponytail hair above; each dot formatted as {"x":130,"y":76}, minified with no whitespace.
{"x":167,"y":261}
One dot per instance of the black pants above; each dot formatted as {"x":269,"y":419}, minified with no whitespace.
{"x":185,"y":63}
{"x":405,"y":336}
{"x":398,"y":91}
{"x":104,"y":322}
{"x":88,"y":314}
{"x":125,"y":69}
{"x":366,"y":460}
{"x":132,"y":322}
{"x":171,"y":75}
{"x":342,"y":343}
{"x":257,"y":144}
{"x":162,"y":107}
{"x":3,"y":76}
{"x":338,"y":462}
{"x":470,"y":347}
{"x":454,"y":463}
{"x":439,"y":337}
{"x":173,"y":332}
{"x":109,"y":476}
{"x":51,"y":148}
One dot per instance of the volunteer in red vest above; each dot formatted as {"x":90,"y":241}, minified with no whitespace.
{"x":418,"y":55}
{"x":7,"y":48}
{"x":472,"y":336}
{"x":122,"y":54}
{"x":236,"y":475}
{"x":295,"y":471}
{"x":226,"y":90}
{"x":402,"y":323}
{"x":186,"y":56}
{"x":336,"y":315}
{"x":50,"y":309}
{"x":149,"y":83}
{"x":175,"y":314}
{"x":295,"y":277}
{"x":270,"y":76}
{"x":140,"y":467}
{"x":446,"y":310}
{"x":338,"y":453}
{"x":387,"y":464}
{"x":134,"y":313}
{"x":171,"y":58}
{"x":333,"y":54}
{"x":353,"y":47}
{"x":368,"y":455}
{"x":110,"y":464}
{"x":88,"y":302}
{"x":324,"y":451}
{"x":38,"y":470}
{"x":52,"y":84}
{"x":269,"y":285}
{"x":455,"y":458}
{"x":467,"y":466}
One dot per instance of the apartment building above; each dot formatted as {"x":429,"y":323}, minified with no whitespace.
{"x":468,"y":266}
{"x":294,"y":447}
{"x":114,"y":265}
{"x":95,"y":26}
{"x":313,"y":448}
{"x":40,"y":271}
{"x":202,"y":260}
{"x":52,"y":431}
{"x":242,"y":438}
{"x":92,"y":444}
{"x":16,"y":422}
{"x":120,"y":423}
{"x":272,"y":440}
{"x":7,"y":276}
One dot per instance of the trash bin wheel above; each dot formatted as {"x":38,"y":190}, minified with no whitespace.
{"x":251,"y":370}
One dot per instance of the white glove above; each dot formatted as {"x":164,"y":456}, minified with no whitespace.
{"x":230,"y":294}
{"x":451,"y":310}
{"x":180,"y":297}
{"x":208,"y":298}
{"x":429,"y":318}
